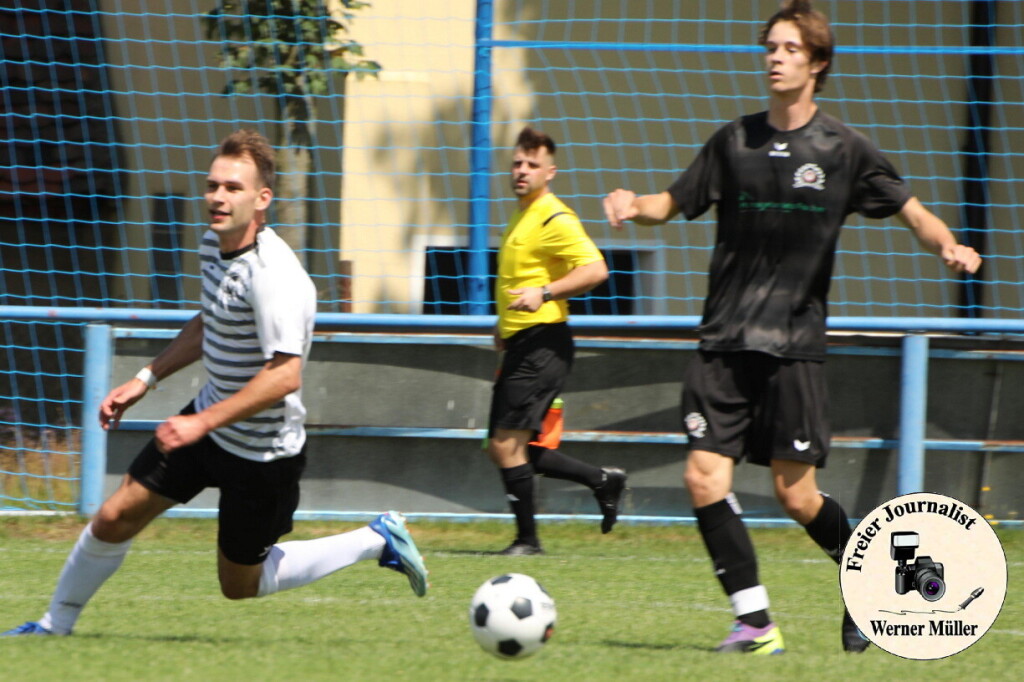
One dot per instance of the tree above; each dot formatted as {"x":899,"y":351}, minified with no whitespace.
{"x":289,"y":49}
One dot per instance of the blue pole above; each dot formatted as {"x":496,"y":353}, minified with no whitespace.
{"x":480,"y":162}
{"x":99,"y":349}
{"x":913,"y":407}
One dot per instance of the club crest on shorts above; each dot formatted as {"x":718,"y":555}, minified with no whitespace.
{"x":696,"y":424}
{"x":809,"y":175}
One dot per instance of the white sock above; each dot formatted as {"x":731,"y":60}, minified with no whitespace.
{"x":88,"y":566}
{"x":300,"y":562}
{"x":749,"y":600}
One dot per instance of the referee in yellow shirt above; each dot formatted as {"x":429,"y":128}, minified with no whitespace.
{"x":545,"y":258}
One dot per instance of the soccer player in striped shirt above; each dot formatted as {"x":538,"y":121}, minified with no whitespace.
{"x":244,"y":432}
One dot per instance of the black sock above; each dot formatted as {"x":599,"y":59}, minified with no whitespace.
{"x":732,"y":553}
{"x":554,"y":464}
{"x":830,"y":528}
{"x":755,"y":619}
{"x":518,"y":482}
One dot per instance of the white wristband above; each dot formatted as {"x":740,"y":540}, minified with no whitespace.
{"x":147,"y":377}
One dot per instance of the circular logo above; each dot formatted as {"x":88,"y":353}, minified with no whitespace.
{"x":923,"y":576}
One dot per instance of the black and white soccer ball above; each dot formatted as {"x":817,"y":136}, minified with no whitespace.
{"x":512,"y":616}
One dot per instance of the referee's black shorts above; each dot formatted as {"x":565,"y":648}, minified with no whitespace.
{"x":533,"y":373}
{"x":754,"y":406}
{"x":257,"y":499}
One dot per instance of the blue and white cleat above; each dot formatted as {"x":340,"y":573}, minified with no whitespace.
{"x":400,"y":553}
{"x":29,"y":628}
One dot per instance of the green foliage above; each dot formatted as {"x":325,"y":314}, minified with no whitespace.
{"x":638,"y":604}
{"x":288,"y":48}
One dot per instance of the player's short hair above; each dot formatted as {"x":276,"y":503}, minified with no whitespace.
{"x":530,"y":139}
{"x":815,"y":32}
{"x":249,"y":143}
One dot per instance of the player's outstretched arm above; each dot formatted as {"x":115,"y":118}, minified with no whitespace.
{"x":578,"y":281}
{"x":649,"y":209}
{"x":186,"y":348}
{"x":280,"y":376}
{"x":936,"y":237}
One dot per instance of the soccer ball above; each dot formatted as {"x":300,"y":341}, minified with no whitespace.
{"x":512,"y":616}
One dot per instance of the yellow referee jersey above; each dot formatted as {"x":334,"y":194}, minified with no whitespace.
{"x":540,"y":245}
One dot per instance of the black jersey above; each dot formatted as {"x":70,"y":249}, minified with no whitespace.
{"x":781,"y":198}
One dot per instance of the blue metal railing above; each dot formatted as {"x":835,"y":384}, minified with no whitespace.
{"x":915,"y":352}
{"x":484,"y":323}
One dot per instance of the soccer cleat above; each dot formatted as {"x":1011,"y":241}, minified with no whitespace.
{"x":609,"y":496}
{"x":400,"y":553}
{"x":518,"y":548}
{"x":29,"y":628}
{"x":746,"y":639}
{"x":854,"y":640}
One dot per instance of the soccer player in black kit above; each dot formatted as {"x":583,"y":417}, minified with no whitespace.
{"x":782,"y":181}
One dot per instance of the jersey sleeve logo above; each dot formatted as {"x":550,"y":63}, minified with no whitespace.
{"x":809,"y":175}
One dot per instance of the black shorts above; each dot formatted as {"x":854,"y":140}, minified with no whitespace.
{"x":257,"y":499}
{"x":755,"y":406}
{"x":533,"y":373}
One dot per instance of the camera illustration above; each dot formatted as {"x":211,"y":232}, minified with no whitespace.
{"x":923,"y":575}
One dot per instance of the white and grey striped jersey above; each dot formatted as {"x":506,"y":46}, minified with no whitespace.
{"x":256,"y":304}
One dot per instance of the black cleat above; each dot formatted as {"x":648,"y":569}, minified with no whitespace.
{"x":609,"y":496}
{"x":853,"y":640}
{"x":518,"y":548}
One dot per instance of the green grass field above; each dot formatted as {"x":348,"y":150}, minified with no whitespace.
{"x":638,"y":604}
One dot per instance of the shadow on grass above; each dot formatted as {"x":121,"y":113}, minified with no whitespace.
{"x":481,"y":552}
{"x":461,"y":552}
{"x":649,"y":646}
{"x":212,"y":639}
